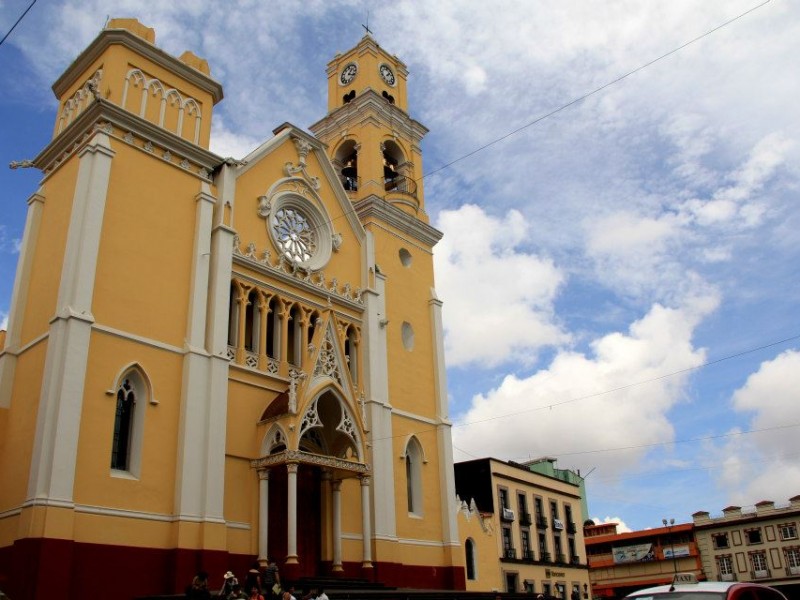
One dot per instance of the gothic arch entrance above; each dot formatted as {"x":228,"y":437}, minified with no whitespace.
{"x":301,"y":493}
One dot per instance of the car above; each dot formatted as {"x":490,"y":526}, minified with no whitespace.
{"x":685,"y":586}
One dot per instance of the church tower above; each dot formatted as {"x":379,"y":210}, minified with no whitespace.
{"x":374,"y":146}
{"x":212,"y":361}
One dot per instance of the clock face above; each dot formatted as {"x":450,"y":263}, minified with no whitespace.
{"x":387,"y":74}
{"x":348,"y":73}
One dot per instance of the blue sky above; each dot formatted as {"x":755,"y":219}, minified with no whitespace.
{"x":594,"y":262}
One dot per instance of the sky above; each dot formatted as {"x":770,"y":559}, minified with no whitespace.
{"x":620,"y":276}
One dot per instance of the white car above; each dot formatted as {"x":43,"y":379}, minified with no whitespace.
{"x":686,"y":587}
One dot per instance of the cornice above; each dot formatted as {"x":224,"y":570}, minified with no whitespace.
{"x":123,"y":37}
{"x":375,"y":207}
{"x":367,"y":104}
{"x":105,"y":112}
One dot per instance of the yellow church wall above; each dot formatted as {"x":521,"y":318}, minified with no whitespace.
{"x":103,"y":529}
{"x":426,"y":525}
{"x":94,"y":482}
{"x":17,"y":427}
{"x":139,"y":235}
{"x":241,"y":506}
{"x":411,"y":383}
{"x":45,"y":274}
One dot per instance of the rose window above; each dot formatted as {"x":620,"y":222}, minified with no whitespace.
{"x":295,"y":235}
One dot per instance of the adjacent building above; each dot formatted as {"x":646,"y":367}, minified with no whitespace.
{"x":521,"y":528}
{"x":758,"y":544}
{"x":620,"y":563}
{"x":210,"y":361}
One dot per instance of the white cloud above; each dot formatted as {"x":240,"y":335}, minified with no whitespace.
{"x":615,"y":396}
{"x":621,"y":526}
{"x":3,"y":321}
{"x":499,"y":298}
{"x":754,"y":464}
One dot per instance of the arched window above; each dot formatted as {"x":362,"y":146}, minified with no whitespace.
{"x":414,"y":476}
{"x":123,"y":426}
{"x":469,"y":550}
{"x":273,"y":328}
{"x":233,"y":317}
{"x":131,"y":400}
{"x":294,"y":343}
{"x":351,"y":352}
{"x":251,"y":322}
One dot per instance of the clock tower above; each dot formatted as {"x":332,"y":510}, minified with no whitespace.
{"x":374,"y":146}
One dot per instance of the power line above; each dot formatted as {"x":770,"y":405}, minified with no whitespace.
{"x":608,"y":391}
{"x":704,"y":438}
{"x":593,"y":92}
{"x":570,"y":103}
{"x":22,"y":16}
{"x":635,"y":384}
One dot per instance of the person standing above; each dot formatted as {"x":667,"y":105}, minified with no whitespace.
{"x":269,"y":577}
{"x":253,"y":579}
{"x":198,"y":590}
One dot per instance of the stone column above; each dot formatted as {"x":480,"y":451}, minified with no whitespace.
{"x":366,"y":562}
{"x":263,"y":514}
{"x":264,"y":316}
{"x":336,"y":497}
{"x":291,"y":514}
{"x":240,"y":326}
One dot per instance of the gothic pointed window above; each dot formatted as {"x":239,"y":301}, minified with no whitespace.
{"x":414,"y":476}
{"x":132,"y":398}
{"x":123,"y":427}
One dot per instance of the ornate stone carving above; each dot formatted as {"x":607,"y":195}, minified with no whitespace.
{"x":327,"y":361}
{"x":303,"y":148}
{"x":296,"y":376}
{"x":264,"y":206}
{"x":310,"y":419}
{"x":336,"y":241}
{"x":300,"y":457}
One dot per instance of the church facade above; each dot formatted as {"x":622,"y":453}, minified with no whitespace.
{"x":213,"y":361}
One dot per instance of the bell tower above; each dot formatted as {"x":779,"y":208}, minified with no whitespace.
{"x":374,"y":143}
{"x":375,"y":148}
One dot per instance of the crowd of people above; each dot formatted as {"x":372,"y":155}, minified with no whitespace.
{"x":260,"y":583}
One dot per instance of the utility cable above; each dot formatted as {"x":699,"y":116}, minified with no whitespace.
{"x":593,"y":92}
{"x":22,"y":16}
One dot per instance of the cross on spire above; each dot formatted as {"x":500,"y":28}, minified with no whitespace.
{"x":366,"y":27}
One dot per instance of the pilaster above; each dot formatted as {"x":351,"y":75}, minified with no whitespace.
{"x":444,"y":440}
{"x":19,"y":297}
{"x":376,"y":381}
{"x":55,"y":446}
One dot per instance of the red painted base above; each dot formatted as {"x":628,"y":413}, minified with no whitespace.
{"x":42,"y":569}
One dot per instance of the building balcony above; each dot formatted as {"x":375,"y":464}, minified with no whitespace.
{"x":571,"y":527}
{"x":765,"y":574}
{"x":561,"y":559}
{"x":545,"y":557}
{"x":525,"y":518}
{"x":727,"y":576}
{"x":792,"y":570}
{"x":510,"y":553}
{"x":528,"y":555}
{"x":574,"y":560}
{"x":400,"y":184}
{"x":541,"y":522}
